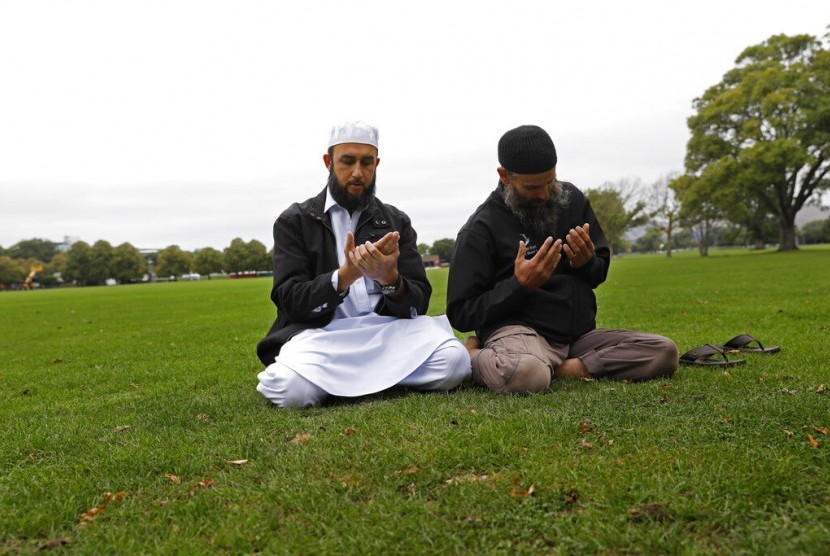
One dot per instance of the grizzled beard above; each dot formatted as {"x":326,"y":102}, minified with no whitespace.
{"x":345,"y":199}
{"x":541,"y":220}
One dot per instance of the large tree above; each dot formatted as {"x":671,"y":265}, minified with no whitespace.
{"x":77,"y":263}
{"x":761,"y":137}
{"x":444,"y":248}
{"x":241,"y":256}
{"x":127,"y":263}
{"x":11,"y":272}
{"x":208,"y":260}
{"x":618,"y":210}
{"x":173,"y":262}
{"x":100,"y":259}
{"x":40,"y":249}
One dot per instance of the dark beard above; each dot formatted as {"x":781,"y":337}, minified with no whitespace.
{"x":345,"y":199}
{"x":539,"y":220}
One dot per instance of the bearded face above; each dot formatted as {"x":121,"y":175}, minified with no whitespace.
{"x":538,"y":215}
{"x":345,"y":198}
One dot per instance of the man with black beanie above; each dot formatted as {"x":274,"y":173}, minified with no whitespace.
{"x":522,"y":276}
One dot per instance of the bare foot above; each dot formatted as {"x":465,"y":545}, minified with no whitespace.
{"x":571,"y":368}
{"x":473,"y":346}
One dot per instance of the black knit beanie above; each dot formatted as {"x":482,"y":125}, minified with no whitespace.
{"x":527,"y":149}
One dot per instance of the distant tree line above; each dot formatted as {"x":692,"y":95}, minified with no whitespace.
{"x":89,"y":265}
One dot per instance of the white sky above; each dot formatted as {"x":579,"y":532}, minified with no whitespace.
{"x":164,"y":122}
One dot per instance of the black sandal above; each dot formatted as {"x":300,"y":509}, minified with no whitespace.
{"x":742,"y":342}
{"x":703,"y":356}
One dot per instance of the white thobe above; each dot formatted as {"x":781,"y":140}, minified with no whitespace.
{"x":361,"y":352}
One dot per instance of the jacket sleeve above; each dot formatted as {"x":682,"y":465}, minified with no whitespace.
{"x":411,"y":268}
{"x":474,"y":299}
{"x":298,"y":290}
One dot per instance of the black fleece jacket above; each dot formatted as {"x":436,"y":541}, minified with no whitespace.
{"x":305,"y":256}
{"x":484,"y":295}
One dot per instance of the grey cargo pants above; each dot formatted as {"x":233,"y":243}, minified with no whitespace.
{"x":517,"y":359}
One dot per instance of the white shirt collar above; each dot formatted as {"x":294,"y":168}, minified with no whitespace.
{"x":330,"y":202}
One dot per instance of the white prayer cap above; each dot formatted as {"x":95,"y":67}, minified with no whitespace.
{"x":354,"y":132}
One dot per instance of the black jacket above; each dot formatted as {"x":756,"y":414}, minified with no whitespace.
{"x":305,"y":256}
{"x":484,"y":295}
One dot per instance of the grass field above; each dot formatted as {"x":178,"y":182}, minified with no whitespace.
{"x":130,"y":424}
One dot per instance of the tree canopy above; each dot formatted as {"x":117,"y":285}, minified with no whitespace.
{"x":617,"y":210}
{"x":760,"y":140}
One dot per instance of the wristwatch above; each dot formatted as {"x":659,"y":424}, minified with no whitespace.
{"x":391,"y":289}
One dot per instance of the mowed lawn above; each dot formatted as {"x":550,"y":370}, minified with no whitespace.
{"x":130,"y":423}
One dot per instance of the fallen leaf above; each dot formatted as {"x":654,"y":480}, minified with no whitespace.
{"x":515,"y":491}
{"x":301,"y":438}
{"x":788,"y":433}
{"x":664,"y":399}
{"x":410,"y":470}
{"x":175,"y":479}
{"x":790,"y":392}
{"x":821,"y":389}
{"x":207,"y":483}
{"x":56,"y":361}
{"x":474,"y":412}
{"x":665,"y":385}
{"x":469,"y":478}
{"x":585,"y":426}
{"x":822,"y":430}
{"x":813,"y":441}
{"x":349,"y":431}
{"x":238,"y":462}
{"x":122,"y":428}
{"x":585,"y":444}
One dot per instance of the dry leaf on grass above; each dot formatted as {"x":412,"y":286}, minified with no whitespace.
{"x":302,"y":438}
{"x":788,"y":433}
{"x":207,"y":483}
{"x":410,"y":470}
{"x":349,"y":431}
{"x":89,"y":516}
{"x":469,"y":478}
{"x":237,"y":462}
{"x":822,"y":430}
{"x":585,"y":444}
{"x":122,"y":428}
{"x":813,"y":441}
{"x":175,"y":479}
{"x":585,"y":426}
{"x":516,"y":491}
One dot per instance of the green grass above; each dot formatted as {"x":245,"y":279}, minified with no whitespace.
{"x":127,"y":389}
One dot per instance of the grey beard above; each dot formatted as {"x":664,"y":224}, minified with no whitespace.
{"x":345,"y":199}
{"x":542,"y":220}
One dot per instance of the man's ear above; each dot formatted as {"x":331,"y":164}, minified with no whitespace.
{"x":327,"y":161}
{"x":503,"y":175}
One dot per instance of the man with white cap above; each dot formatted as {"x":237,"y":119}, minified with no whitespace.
{"x":351,"y":292}
{"x":522,"y":276}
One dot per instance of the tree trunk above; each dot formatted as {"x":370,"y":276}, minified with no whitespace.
{"x":787,"y":242}
{"x":668,"y":240}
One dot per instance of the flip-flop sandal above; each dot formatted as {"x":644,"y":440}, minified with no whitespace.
{"x":703,"y":356}
{"x":742,"y":342}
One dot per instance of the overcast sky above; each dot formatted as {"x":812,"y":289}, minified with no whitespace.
{"x":195,"y":122}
